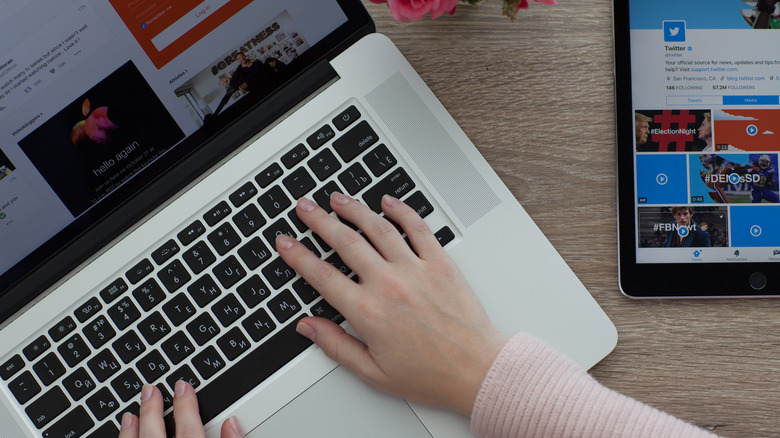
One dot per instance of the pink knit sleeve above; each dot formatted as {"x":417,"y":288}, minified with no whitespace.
{"x":532,"y":390}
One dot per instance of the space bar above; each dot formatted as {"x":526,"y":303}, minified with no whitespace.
{"x":247,"y":373}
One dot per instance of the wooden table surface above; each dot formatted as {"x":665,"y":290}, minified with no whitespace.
{"x":540,"y":107}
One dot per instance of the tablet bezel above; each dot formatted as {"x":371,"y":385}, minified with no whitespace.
{"x":664,"y":280}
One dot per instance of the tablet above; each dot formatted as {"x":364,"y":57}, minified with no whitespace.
{"x":698,"y":138}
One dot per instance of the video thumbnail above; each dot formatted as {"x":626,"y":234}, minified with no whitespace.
{"x":102,"y":139}
{"x":683,"y":227}
{"x":255,"y":66}
{"x":747,"y":130}
{"x":673,"y":130}
{"x":734,"y":178}
{"x":6,"y":167}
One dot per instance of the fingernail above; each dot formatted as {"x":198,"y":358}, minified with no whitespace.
{"x":306,"y":330}
{"x":390,"y":201}
{"x":146,"y":392}
{"x":284,"y":241}
{"x":181,"y":386}
{"x":236,"y":426}
{"x":306,"y":204}
{"x":127,"y":420}
{"x":339,"y":198}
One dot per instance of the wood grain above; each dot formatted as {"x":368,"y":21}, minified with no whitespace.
{"x":536,"y":97}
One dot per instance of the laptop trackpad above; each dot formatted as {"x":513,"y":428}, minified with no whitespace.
{"x":341,"y":406}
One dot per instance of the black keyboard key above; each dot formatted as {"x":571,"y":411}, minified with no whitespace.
{"x":243,"y":194}
{"x":380,"y":160}
{"x":284,"y":306}
{"x":269,"y":175}
{"x":179,"y":309}
{"x":36,"y":348}
{"x":419,"y":203}
{"x":74,"y":350}
{"x":274,"y":201}
{"x":124,"y":313}
{"x":24,"y":387}
{"x":204,"y":290}
{"x":88,"y":309}
{"x":444,"y":236}
{"x":127,"y":385}
{"x":129,"y":346}
{"x":103,"y":365}
{"x":113,"y":290}
{"x":99,"y":331}
{"x":305,"y":291}
{"x":339,"y":264}
{"x":133,"y":408}
{"x":150,"y":294}
{"x":355,"y":141}
{"x":308,"y":243}
{"x":152,"y":366}
{"x":320,"y":137}
{"x":259,"y":324}
{"x":199,"y":257}
{"x":254,"y":253}
{"x":165,"y":252}
{"x":397,"y":184}
{"x":208,"y":362}
{"x":278,"y":273}
{"x":73,"y":425}
{"x":249,"y":220}
{"x":355,"y":178}
{"x":251,"y":370}
{"x":276,"y":229}
{"x":346,"y":118}
{"x":228,"y":310}
{"x":139,"y":271}
{"x":49,"y":369}
{"x":154,"y":328}
{"x":322,"y":195}
{"x":47,"y":407}
{"x":229,"y":272}
{"x":173,"y":277}
{"x":224,"y":238}
{"x":323,"y":309}
{"x":233,"y":343}
{"x":293,"y":216}
{"x":295,"y":155}
{"x":253,"y":291}
{"x":299,"y":182}
{"x":217,"y":213}
{"x":324,"y":164}
{"x":107,"y":430}
{"x":192,"y":232}
{"x":184,"y":373}
{"x":11,"y":367}
{"x":102,"y":403}
{"x":203,"y":328}
{"x":177,"y":347}
{"x":78,"y":384}
{"x":62,"y":329}
{"x":166,"y":396}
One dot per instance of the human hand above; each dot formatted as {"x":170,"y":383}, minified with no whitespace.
{"x":427,"y":338}
{"x":149,"y":423}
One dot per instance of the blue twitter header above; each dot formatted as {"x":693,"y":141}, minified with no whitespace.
{"x":697,"y":14}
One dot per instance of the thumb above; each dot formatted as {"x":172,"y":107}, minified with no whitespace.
{"x":231,"y":429}
{"x":340,"y":346}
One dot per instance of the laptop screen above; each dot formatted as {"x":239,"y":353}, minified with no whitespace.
{"x":706,"y":90}
{"x":97,"y":98}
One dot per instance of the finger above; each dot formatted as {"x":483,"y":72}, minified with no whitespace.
{"x":382,"y":234}
{"x":151,"y":413}
{"x":185,"y":412}
{"x":353,"y":249}
{"x":129,"y":426}
{"x":424,"y":242}
{"x":340,"y":346}
{"x":321,"y":275}
{"x":231,"y":429}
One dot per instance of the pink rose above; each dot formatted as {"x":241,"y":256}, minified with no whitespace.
{"x":524,"y":3}
{"x":405,"y":10}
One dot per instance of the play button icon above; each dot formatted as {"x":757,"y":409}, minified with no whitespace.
{"x":661,"y":179}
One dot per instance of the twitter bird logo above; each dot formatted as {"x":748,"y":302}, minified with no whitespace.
{"x":674,"y":31}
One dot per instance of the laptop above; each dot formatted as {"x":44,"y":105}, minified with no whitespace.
{"x":152,"y":151}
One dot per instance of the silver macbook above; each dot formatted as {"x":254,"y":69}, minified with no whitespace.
{"x":150,"y":154}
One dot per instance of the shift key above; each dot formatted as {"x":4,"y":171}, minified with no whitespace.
{"x":397,"y":184}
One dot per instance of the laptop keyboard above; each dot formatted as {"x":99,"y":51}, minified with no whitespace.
{"x":214,"y":305}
